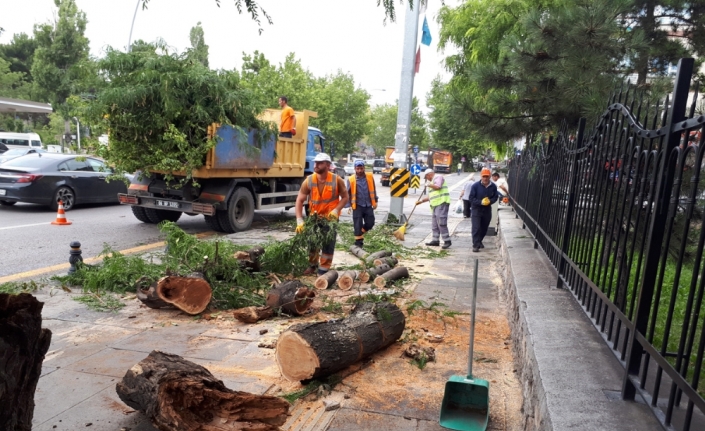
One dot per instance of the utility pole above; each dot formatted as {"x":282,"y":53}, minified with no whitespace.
{"x":406,"y":95}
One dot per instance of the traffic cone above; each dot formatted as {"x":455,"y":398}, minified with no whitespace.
{"x":61,"y":215}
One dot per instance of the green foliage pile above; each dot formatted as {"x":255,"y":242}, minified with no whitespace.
{"x":157,"y":107}
{"x":291,"y":256}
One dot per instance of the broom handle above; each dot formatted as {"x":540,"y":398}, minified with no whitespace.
{"x":414,"y":208}
{"x":472,"y":318}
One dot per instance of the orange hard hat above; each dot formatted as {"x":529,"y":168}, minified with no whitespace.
{"x":484,"y":172}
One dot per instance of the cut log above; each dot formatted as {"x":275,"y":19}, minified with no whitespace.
{"x":358,"y":252}
{"x":147,"y":293}
{"x":189,"y":294}
{"x":250,"y":259}
{"x":326,"y":280}
{"x":392,"y":275}
{"x":371,"y":258}
{"x":23,"y":344}
{"x":253,"y":314}
{"x":347,"y":279}
{"x":314,"y":350}
{"x":292,"y":297}
{"x":178,"y":395}
{"x":379,"y":270}
{"x":389,"y":260}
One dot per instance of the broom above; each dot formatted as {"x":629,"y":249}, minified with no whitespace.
{"x":399,"y":233}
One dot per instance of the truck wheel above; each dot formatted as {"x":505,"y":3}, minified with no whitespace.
{"x":212,"y":222}
{"x":172,"y":216}
{"x":240,"y":213}
{"x":140,"y":214}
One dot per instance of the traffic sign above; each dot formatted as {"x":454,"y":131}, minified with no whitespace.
{"x":399,"y":181}
{"x":416,"y":149}
{"x":415,"y":169}
{"x":415,"y":182}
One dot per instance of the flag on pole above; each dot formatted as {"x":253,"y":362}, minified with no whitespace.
{"x":418,"y":60}
{"x":425,"y":33}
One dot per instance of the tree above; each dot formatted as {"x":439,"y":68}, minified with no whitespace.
{"x":12,"y":84}
{"x":199,"y":49}
{"x":20,"y":53}
{"x":382,"y":127}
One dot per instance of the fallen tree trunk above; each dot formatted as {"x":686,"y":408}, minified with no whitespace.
{"x":23,"y":344}
{"x":314,"y":350}
{"x":178,"y":395}
{"x":358,"y":252}
{"x":391,"y":275}
{"x":371,"y":258}
{"x":147,"y":293}
{"x":253,"y":314}
{"x":326,"y":280}
{"x":189,"y":294}
{"x":292,"y":297}
{"x":389,"y":260}
{"x":378,"y":270}
{"x":250,"y":259}
{"x":347,"y":279}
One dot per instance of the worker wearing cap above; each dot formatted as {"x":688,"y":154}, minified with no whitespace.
{"x":439,"y":199}
{"x":483,"y":194}
{"x":287,"y":126}
{"x":363,"y":201}
{"x":327,"y":195}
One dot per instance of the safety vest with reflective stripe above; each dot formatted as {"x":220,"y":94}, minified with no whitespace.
{"x":440,"y":196}
{"x":370,"y":188}
{"x":323,"y":203}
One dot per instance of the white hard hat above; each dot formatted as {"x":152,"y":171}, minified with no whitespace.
{"x":428,"y":171}
{"x":322,"y":157}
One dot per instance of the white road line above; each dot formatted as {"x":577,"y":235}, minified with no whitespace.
{"x":23,"y":225}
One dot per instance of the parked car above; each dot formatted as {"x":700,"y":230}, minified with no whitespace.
{"x":378,"y":166}
{"x":44,"y":178}
{"x":17,"y":152}
{"x":337,"y":170}
{"x":349,"y":168}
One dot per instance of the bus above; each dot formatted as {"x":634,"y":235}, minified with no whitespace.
{"x":10,"y":140}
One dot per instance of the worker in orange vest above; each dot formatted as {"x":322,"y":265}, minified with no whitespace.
{"x":327,"y":195}
{"x":363,"y":201}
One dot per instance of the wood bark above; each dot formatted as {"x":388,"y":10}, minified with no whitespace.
{"x":189,"y":294}
{"x":391,"y":275}
{"x":371,"y":258}
{"x":314,"y":350}
{"x":326,"y":280}
{"x":23,"y":344}
{"x":292,"y":297}
{"x":358,"y":252}
{"x":389,"y":260}
{"x":253,"y":314}
{"x":178,"y":395}
{"x":347,"y":279}
{"x":147,"y":293}
{"x":250,"y":259}
{"x":378,"y":270}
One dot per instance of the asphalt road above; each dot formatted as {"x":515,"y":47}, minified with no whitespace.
{"x":31,"y":243}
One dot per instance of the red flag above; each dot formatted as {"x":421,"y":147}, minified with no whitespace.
{"x":418,"y":60}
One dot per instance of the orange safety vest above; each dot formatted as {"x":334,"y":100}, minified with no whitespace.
{"x":323,"y":203}
{"x":370,"y":188}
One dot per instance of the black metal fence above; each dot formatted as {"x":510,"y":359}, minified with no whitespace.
{"x":619,"y":209}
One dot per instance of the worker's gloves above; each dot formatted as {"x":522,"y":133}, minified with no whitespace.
{"x":333,"y":215}
{"x":293,"y":132}
{"x":427,"y":183}
{"x":299,"y":225}
{"x":486,"y":201}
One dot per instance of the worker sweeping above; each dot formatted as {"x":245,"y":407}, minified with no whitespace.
{"x":327,"y":195}
{"x":482,"y":195}
{"x":363,"y":201}
{"x":439,"y":199}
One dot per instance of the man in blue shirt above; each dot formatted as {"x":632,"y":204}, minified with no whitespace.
{"x":483,"y":194}
{"x":363,"y":201}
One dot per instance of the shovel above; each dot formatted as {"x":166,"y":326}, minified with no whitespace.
{"x":466,"y":401}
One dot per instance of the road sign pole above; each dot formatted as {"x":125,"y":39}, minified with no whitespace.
{"x":406,"y":94}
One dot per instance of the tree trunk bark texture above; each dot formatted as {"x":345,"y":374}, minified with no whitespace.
{"x":392,"y":275}
{"x":358,"y":252}
{"x":178,"y":395}
{"x":313,"y":350}
{"x":326,"y":280}
{"x":371,"y":258}
{"x":293,"y":297}
{"x":189,"y":294}
{"x":23,"y":344}
{"x":379,"y":270}
{"x":347,"y":279}
{"x":147,"y":293}
{"x":388,"y":260}
{"x":250,"y":259}
{"x":253,"y":314}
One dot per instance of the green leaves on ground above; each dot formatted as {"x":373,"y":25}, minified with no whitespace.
{"x":291,"y":256}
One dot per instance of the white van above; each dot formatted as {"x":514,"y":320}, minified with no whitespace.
{"x":19,"y":140}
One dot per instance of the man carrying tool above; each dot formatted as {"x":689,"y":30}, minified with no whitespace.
{"x":363,"y":201}
{"x":327,"y":195}
{"x":439,"y":198}
{"x":287,"y":126}
{"x":483,"y":194}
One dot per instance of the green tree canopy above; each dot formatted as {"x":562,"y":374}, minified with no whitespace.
{"x":199,"y":49}
{"x":382,"y":127}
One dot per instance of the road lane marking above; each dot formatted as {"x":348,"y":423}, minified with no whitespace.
{"x":23,"y":225}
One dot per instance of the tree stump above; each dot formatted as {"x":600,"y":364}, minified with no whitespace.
{"x":178,"y":395}
{"x":292,"y":297}
{"x":326,"y":280}
{"x":378,"y":270}
{"x":391,"y":275}
{"x":189,"y":294}
{"x":358,"y":252}
{"x":253,"y":314}
{"x":250,"y":259}
{"x":313,"y":350}
{"x":371,"y":258}
{"x":147,"y":293}
{"x":389,"y":260}
{"x":347,"y":279}
{"x":23,"y":344}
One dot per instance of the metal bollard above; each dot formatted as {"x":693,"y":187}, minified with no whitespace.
{"x":75,"y":256}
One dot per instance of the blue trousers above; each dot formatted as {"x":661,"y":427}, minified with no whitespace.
{"x":481,"y":218}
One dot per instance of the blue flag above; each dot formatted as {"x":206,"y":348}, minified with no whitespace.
{"x":426,"y":33}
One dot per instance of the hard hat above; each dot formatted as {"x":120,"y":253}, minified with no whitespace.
{"x":428,"y":171}
{"x":484,"y":172}
{"x":359,"y":163}
{"x":322,"y":157}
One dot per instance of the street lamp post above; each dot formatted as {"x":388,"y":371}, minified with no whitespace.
{"x":78,"y":132}
{"x":129,"y":42}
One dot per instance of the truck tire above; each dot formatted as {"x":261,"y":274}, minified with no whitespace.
{"x":140,"y":215}
{"x":172,"y":216}
{"x":212,"y":222}
{"x":157,"y":216}
{"x":240,"y":213}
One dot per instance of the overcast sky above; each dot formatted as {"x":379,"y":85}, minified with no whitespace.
{"x":326,"y":35}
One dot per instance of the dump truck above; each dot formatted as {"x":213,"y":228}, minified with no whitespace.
{"x":243,"y":173}
{"x":440,"y":161}
{"x":389,"y":159}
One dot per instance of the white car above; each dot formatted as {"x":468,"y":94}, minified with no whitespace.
{"x":349,"y":168}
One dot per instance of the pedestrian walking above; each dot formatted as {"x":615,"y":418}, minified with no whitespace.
{"x":483,"y":194}
{"x":327,"y":195}
{"x":363,"y":201}
{"x":287,"y":126}
{"x":460,"y":168}
{"x":439,"y":199}
{"x":465,"y":195}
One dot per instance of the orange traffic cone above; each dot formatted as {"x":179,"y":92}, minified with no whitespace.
{"x":60,"y":215}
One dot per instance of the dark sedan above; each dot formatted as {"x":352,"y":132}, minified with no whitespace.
{"x":45,"y":178}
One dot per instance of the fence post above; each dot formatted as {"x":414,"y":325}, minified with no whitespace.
{"x":541,"y":181}
{"x":570,"y":206}
{"x":664,"y":186}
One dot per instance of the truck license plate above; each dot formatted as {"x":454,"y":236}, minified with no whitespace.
{"x":2,"y":192}
{"x":168,"y":204}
